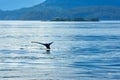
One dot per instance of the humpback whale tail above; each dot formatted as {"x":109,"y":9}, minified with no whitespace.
{"x":47,"y":45}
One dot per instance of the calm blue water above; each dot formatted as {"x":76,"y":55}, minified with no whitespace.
{"x":81,"y":50}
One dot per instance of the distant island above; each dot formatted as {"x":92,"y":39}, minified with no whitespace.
{"x":75,"y":19}
{"x":64,"y":10}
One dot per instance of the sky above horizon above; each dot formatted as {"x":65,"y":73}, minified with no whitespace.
{"x":17,"y":4}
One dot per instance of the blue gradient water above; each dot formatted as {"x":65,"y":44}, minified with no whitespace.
{"x":81,"y":50}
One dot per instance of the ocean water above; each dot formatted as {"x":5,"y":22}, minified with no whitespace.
{"x":81,"y":50}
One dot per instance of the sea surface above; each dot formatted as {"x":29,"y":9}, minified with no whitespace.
{"x":81,"y":50}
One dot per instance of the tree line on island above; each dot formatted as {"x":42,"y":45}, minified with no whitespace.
{"x":75,"y":19}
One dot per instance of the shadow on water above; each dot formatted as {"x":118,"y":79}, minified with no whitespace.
{"x":23,"y":54}
{"x":25,"y":51}
{"x":47,"y":52}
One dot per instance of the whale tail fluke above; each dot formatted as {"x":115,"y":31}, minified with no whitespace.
{"x":47,"y":45}
{"x":50,"y":43}
{"x":37,"y":42}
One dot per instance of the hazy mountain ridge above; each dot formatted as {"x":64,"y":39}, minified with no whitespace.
{"x":51,"y":9}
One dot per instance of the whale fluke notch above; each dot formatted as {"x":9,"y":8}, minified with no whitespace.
{"x":47,"y":45}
